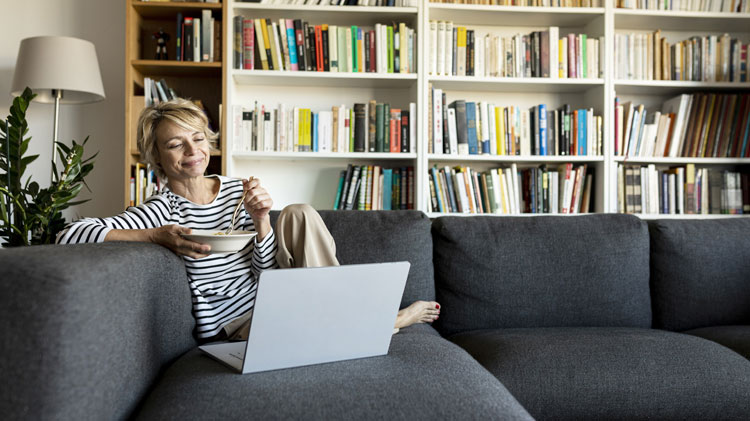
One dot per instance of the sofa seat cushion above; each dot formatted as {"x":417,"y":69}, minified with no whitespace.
{"x":614,"y":373}
{"x":736,"y":338}
{"x":423,"y":376}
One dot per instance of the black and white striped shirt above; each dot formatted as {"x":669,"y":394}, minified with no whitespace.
{"x":223,"y":286}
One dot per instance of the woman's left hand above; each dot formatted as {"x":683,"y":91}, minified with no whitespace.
{"x":258,"y":202}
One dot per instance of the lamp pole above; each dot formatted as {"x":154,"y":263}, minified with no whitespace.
{"x":57,"y":93}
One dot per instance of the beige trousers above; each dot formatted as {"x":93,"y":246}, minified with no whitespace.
{"x":302,"y":240}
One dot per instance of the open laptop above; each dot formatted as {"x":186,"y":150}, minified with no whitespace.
{"x":317,"y":315}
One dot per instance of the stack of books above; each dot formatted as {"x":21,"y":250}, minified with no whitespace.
{"x":365,"y":127}
{"x":725,"y":6}
{"x":710,"y":58}
{"x":295,"y":45}
{"x":198,"y":38}
{"x":143,"y":183}
{"x":704,"y":125}
{"x":682,"y":190}
{"x":566,"y":189}
{"x":472,"y":128}
{"x":458,"y":51}
{"x":372,"y":187}
{"x":530,"y":3}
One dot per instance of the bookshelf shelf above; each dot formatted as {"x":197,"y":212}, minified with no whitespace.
{"x":136,"y":154}
{"x":326,"y":79}
{"x":513,"y":84}
{"x":681,"y":21}
{"x":335,"y":15}
{"x":270,"y":156}
{"x":177,"y":68}
{"x":648,"y":216}
{"x":513,"y":158}
{"x":148,"y":9}
{"x":515,"y":15}
{"x":683,"y":160}
{"x":670,"y":87}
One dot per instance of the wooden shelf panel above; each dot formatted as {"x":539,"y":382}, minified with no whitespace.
{"x":651,"y":20}
{"x":177,"y":68}
{"x":513,"y":84}
{"x":323,"y":156}
{"x":683,"y":160}
{"x":169,"y":9}
{"x":514,"y":159}
{"x":514,"y":15}
{"x":327,"y":79}
{"x":136,"y":154}
{"x":652,"y":216}
{"x":670,"y":87}
{"x":332,"y":15}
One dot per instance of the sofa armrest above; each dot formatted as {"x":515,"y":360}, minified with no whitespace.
{"x":86,"y":329}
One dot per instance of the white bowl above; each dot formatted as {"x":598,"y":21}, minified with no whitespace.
{"x":219,"y":242}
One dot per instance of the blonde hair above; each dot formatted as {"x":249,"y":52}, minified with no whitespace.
{"x":180,"y":111}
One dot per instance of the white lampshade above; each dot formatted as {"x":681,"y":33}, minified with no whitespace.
{"x":63,"y":63}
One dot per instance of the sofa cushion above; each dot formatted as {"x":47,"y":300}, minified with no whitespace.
{"x":549,"y":271}
{"x":736,"y":338}
{"x":700,"y":273}
{"x":614,"y":373}
{"x":385,"y":236}
{"x":423,"y":376}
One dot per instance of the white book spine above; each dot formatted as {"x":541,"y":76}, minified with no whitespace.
{"x":554,"y":35}
{"x":413,"y":127}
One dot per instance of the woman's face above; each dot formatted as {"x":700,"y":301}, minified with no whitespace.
{"x":183,"y":154}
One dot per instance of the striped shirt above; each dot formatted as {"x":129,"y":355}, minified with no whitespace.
{"x":223,"y":286}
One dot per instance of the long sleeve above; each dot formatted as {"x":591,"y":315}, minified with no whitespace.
{"x":153,"y":213}
{"x":264,"y":252}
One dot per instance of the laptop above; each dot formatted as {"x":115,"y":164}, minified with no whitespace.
{"x":305,"y":316}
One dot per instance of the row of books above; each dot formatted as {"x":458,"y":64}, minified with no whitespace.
{"x":385,"y":3}
{"x":198,"y":38}
{"x":458,"y":51}
{"x":566,"y":189}
{"x":372,"y":187}
{"x":365,"y":127}
{"x":726,"y":6}
{"x":143,"y":183}
{"x":682,"y":190}
{"x":472,"y":128}
{"x":529,"y":3}
{"x":295,"y":45}
{"x":708,"y":58}
{"x":704,"y":125}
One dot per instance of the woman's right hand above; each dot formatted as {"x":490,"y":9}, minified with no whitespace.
{"x":169,"y":237}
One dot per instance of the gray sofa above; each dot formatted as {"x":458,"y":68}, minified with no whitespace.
{"x":586,"y":317}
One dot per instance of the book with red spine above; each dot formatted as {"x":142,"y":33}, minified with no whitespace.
{"x":248,"y":44}
{"x":319,"y":48}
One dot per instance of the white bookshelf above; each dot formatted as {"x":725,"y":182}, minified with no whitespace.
{"x":310,"y":177}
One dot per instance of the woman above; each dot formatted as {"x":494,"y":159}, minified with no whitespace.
{"x":173,"y":137}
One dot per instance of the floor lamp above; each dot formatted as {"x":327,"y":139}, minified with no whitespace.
{"x":59,"y":70}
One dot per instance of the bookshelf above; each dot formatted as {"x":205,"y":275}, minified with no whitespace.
{"x":311,"y":177}
{"x":195,"y":80}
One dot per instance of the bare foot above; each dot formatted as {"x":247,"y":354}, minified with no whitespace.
{"x":418,"y":312}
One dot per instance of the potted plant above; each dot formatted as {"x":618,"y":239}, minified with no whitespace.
{"x":29,"y":214}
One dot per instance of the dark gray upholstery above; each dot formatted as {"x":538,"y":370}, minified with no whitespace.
{"x":700,"y":273}
{"x":547,"y":271}
{"x":614,"y":373}
{"x":736,"y":338}
{"x":385,"y":236}
{"x":86,"y":329}
{"x":423,"y":377}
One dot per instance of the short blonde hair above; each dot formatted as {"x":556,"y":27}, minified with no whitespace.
{"x":180,"y":111}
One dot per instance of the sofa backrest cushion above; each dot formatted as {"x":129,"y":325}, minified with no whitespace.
{"x":545,"y":271}
{"x":700,"y":273}
{"x":385,"y":236}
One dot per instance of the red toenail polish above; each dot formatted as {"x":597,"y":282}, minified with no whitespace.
{"x":437,"y":306}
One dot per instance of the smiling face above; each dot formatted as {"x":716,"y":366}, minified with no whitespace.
{"x":183,"y":153}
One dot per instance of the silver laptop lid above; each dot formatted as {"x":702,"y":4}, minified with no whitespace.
{"x":317,"y":315}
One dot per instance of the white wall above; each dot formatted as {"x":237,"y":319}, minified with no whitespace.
{"x":103,"y":23}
